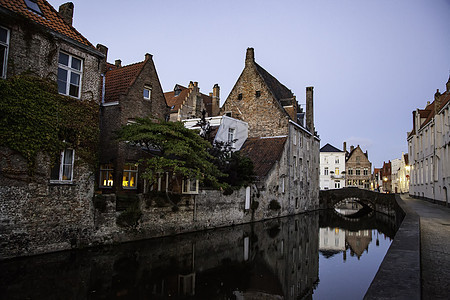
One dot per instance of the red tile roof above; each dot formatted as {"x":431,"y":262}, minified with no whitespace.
{"x":177,"y":101}
{"x":264,"y":153}
{"x":118,"y":80}
{"x":50,"y":18}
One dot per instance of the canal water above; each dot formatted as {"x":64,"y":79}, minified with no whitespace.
{"x":319,"y":255}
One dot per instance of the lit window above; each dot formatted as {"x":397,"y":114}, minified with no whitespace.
{"x":147,"y":93}
{"x":129,"y":176}
{"x":106,"y":175}
{"x":190,"y":186}
{"x":63,"y":169}
{"x":69,"y":75}
{"x":4,"y":45}
{"x":336,"y":171}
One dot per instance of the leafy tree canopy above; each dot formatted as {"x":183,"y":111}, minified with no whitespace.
{"x":175,"y":149}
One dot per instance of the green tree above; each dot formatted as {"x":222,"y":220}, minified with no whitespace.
{"x":174,"y":148}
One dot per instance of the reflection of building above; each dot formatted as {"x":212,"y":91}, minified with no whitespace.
{"x":332,"y":168}
{"x":331,"y":241}
{"x":429,"y":149}
{"x":358,"y":241}
{"x":358,"y":168}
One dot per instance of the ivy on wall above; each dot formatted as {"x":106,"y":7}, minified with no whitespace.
{"x":34,"y":117}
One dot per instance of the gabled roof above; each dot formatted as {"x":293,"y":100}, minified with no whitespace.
{"x":175,"y":101}
{"x":50,"y":18}
{"x":264,"y":153}
{"x":329,"y":148}
{"x":279,"y":90}
{"x":119,"y":79}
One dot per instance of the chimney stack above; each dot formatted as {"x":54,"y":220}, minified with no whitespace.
{"x":66,"y":12}
{"x":118,"y":63}
{"x":310,"y":109}
{"x":447,"y":85}
{"x":250,"y":56}
{"x":215,"y":100}
{"x":148,"y":56}
{"x":351,"y":148}
{"x":345,"y":147}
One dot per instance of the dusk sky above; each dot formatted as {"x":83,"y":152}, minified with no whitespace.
{"x":371,"y":62}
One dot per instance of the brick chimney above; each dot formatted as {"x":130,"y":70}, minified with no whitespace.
{"x":309,"y":109}
{"x":118,"y":63}
{"x":250,"y":56}
{"x":447,"y":85}
{"x":351,"y":148}
{"x":148,"y":56}
{"x":66,"y":12}
{"x":345,"y":147}
{"x":215,"y":100}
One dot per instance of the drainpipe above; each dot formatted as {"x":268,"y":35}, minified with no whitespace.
{"x":103,"y":87}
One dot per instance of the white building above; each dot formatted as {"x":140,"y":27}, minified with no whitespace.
{"x":225,"y":129}
{"x":429,"y":149}
{"x":332,"y":168}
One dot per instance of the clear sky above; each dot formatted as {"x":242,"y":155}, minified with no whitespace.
{"x":371,"y":62}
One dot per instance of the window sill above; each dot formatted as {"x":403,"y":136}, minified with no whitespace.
{"x":129,"y":188}
{"x":59,"y":182}
{"x":105,"y":187}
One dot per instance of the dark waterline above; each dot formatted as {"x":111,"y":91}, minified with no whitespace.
{"x":314,"y":255}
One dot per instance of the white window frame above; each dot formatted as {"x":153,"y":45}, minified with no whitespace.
{"x":247,"y":198}
{"x":186,"y":186}
{"x":109,"y":170}
{"x":130,"y":171}
{"x":325,"y":171}
{"x":231,"y":136}
{"x":71,"y":70}
{"x":5,"y":58}
{"x":149,"y":89}
{"x":61,"y":167}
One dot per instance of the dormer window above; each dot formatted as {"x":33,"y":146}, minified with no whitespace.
{"x":147,"y":92}
{"x":31,"y":4}
{"x":258,"y":94}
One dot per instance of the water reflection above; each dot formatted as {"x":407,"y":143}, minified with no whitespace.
{"x":276,"y":259}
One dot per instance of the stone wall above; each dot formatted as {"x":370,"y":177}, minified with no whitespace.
{"x":37,"y":216}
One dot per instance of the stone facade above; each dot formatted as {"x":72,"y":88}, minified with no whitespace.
{"x":124,"y":102}
{"x":38,"y":214}
{"x":429,"y":150}
{"x":188,"y":103}
{"x":358,"y":168}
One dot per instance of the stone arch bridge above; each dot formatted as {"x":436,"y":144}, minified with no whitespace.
{"x":379,"y":202}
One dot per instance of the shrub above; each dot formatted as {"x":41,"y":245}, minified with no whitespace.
{"x":129,"y":217}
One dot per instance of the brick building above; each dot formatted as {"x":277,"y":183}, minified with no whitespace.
{"x":358,"y":168}
{"x":131,"y":92}
{"x":52,"y":208}
{"x":188,"y":103}
{"x":290,"y":173}
{"x":386,"y":175}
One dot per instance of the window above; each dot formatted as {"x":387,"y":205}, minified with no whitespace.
{"x":31,"y":4}
{"x":336,"y":171}
{"x":63,"y":169}
{"x":325,"y":171}
{"x":231,"y":138}
{"x":358,"y":172}
{"x":4,"y":45}
{"x":239,"y":96}
{"x":190,"y":186}
{"x":69,"y":75}
{"x":366,"y":171}
{"x":336,"y":160}
{"x":129,"y":176}
{"x":247,"y":198}
{"x":106,"y":176}
{"x":147,"y":92}
{"x":350,"y":171}
{"x":358,"y":159}
{"x":294,"y":139}
{"x":258,"y":94}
